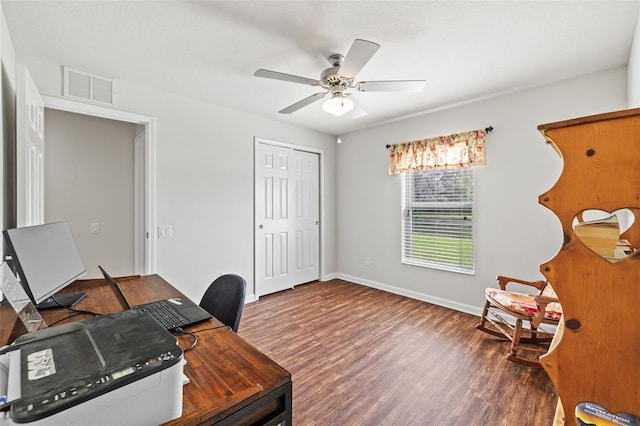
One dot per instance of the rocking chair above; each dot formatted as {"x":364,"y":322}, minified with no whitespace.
{"x":505,"y":312}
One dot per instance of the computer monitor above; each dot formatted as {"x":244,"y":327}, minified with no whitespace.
{"x":47,"y":260}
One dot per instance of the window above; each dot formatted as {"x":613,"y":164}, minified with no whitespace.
{"x":437,"y":224}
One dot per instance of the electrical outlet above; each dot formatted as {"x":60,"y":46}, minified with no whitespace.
{"x":367,"y":260}
{"x":94,"y":228}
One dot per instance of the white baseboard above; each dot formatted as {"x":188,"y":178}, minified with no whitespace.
{"x":473,"y":310}
{"x":330,"y":276}
{"x":456,"y":306}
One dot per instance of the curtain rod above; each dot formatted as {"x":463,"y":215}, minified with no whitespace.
{"x":486,"y":129}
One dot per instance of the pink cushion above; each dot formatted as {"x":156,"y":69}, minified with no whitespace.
{"x":523,"y":304}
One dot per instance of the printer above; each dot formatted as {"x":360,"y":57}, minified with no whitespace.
{"x":120,"y":368}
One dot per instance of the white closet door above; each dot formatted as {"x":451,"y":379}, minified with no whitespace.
{"x":305,"y":217}
{"x":286,"y":218}
{"x":29,"y":151}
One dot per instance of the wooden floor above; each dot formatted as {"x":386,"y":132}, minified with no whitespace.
{"x":361,"y":356}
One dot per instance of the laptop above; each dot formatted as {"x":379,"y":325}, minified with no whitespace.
{"x":172,"y":313}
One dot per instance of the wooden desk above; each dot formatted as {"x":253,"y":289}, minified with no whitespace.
{"x":231,"y":382}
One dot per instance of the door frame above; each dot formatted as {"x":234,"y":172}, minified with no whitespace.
{"x":320,"y":152}
{"x":148,"y":197}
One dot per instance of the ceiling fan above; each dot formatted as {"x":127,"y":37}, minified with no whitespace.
{"x":339,"y":79}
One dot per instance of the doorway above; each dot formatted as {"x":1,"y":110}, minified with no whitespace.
{"x":145,"y":180}
{"x":89,"y":183}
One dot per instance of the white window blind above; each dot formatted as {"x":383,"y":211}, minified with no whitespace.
{"x":437,"y":224}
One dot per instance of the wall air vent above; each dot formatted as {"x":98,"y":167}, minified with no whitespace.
{"x":89,"y":87}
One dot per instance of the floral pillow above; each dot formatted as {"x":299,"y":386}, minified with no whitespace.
{"x":523,"y":304}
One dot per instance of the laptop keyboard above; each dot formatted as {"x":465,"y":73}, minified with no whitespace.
{"x":165,"y":314}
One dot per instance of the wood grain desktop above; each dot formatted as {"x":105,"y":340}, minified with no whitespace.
{"x":230,"y":381}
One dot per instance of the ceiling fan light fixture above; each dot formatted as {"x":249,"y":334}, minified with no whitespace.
{"x":338,"y":104}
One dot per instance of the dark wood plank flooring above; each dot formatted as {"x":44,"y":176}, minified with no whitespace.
{"x":361,"y":356}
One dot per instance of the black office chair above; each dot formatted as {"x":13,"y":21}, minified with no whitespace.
{"x":224,"y":299}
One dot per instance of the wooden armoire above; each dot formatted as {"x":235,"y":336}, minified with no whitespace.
{"x":594,"y":361}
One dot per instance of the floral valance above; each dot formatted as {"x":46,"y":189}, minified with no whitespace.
{"x":458,"y":150}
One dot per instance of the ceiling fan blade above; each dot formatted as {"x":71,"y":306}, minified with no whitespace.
{"x":357,"y":57}
{"x":303,"y":103}
{"x":391,"y":86}
{"x":286,"y":77}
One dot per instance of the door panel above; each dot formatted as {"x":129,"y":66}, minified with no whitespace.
{"x":29,"y":151}
{"x":271,"y":216}
{"x":306,"y":220}
{"x":286,"y":218}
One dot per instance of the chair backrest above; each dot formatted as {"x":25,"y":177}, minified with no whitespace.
{"x":224,"y":299}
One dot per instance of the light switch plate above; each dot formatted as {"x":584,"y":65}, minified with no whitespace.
{"x":94,"y":228}
{"x":165,"y":231}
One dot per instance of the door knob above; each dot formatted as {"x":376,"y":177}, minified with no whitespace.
{"x":260,"y":226}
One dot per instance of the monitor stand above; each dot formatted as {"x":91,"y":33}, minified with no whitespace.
{"x":65,"y":300}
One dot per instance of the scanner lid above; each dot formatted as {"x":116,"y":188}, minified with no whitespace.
{"x":59,"y":356}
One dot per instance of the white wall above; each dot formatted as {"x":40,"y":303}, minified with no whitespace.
{"x":95,"y":157}
{"x":3,"y":34}
{"x":205,"y":180}
{"x":633,"y":74}
{"x":7,"y":121}
{"x":513,"y":234}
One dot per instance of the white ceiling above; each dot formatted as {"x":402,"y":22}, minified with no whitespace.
{"x":209,"y":50}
